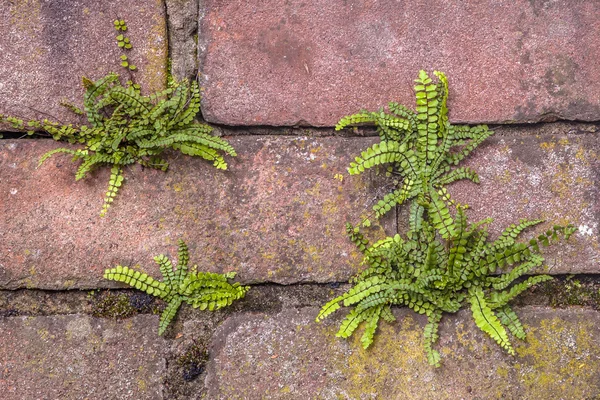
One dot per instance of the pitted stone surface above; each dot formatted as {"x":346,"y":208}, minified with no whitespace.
{"x":278,"y":214}
{"x":289,"y":356}
{"x":310,"y":63}
{"x":47,"y":46}
{"x":78,"y":357}
{"x":554,"y":178}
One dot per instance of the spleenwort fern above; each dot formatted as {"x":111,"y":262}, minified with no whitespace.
{"x":421,"y":147}
{"x":443,"y":263}
{"x":201,"y":290}
{"x":432,"y":277}
{"x":125,"y":127}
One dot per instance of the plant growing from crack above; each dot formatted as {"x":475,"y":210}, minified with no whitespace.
{"x":125,"y":127}
{"x":203,"y":290}
{"x":444,"y":262}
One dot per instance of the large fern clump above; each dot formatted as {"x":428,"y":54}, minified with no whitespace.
{"x":420,"y":148}
{"x":443,"y":263}
{"x":125,"y":127}
{"x":432,"y":276}
{"x":203,"y":290}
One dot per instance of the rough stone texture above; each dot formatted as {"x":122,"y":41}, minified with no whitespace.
{"x":288,"y":356}
{"x":76,"y":357}
{"x":47,"y":46}
{"x":182,"y":20}
{"x":277,"y":215}
{"x":309,"y":63}
{"x":554,"y":178}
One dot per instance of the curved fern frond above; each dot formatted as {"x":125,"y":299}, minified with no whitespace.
{"x":378,"y":154}
{"x":114,"y":183}
{"x":499,"y":299}
{"x":48,"y":154}
{"x":487,"y":321}
{"x":458,"y":174}
{"x":138,"y":280}
{"x":509,"y":319}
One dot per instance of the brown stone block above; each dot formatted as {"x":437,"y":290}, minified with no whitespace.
{"x":47,"y":46}
{"x":289,"y":356}
{"x":278,"y":214}
{"x":75,"y":357}
{"x":282,"y":62}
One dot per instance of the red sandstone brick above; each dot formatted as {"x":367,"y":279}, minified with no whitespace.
{"x":311,"y":62}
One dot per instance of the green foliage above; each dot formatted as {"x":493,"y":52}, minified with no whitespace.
{"x":201,"y":290}
{"x":432,"y":277}
{"x":443,"y":263}
{"x":421,"y":148}
{"x":125,"y":127}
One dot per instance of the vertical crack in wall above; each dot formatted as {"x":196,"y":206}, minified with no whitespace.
{"x":182,"y":33}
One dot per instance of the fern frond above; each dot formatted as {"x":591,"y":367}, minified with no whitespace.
{"x":511,"y":321}
{"x":458,"y":174}
{"x":372,"y":323}
{"x":393,"y":199}
{"x":354,"y":119}
{"x":138,"y":280}
{"x":440,"y":216}
{"x":499,"y":299}
{"x":329,"y":308}
{"x":430,"y":335}
{"x":378,"y":154}
{"x":504,"y":280}
{"x":48,"y":154}
{"x":114,"y":183}
{"x":487,"y":321}
{"x":168,"y":314}
{"x":202,"y":290}
{"x":351,"y":322}
{"x":93,"y":91}
{"x":195,"y":149}
{"x":356,"y":237}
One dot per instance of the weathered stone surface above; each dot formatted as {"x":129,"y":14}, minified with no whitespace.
{"x":182,"y":20}
{"x":289,"y":356}
{"x":310,"y":63}
{"x":76,"y":357}
{"x":47,"y":46}
{"x":554,"y":178}
{"x":277,"y":215}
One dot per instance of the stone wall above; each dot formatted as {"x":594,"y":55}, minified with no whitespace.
{"x":276,"y":77}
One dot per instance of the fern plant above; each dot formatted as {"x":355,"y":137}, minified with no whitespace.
{"x":432,"y":277}
{"x":125,"y":127}
{"x":420,"y":147}
{"x":201,"y":290}
{"x":443,"y":263}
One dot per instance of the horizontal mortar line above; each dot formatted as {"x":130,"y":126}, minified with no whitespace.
{"x":27,"y":301}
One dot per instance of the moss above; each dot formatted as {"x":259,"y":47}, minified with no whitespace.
{"x":567,"y":291}
{"x":109,"y":304}
{"x":192,"y":361}
{"x":561,"y":360}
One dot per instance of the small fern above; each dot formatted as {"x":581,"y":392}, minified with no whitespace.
{"x":421,"y":147}
{"x":125,"y":127}
{"x":201,"y":290}
{"x":432,"y":277}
